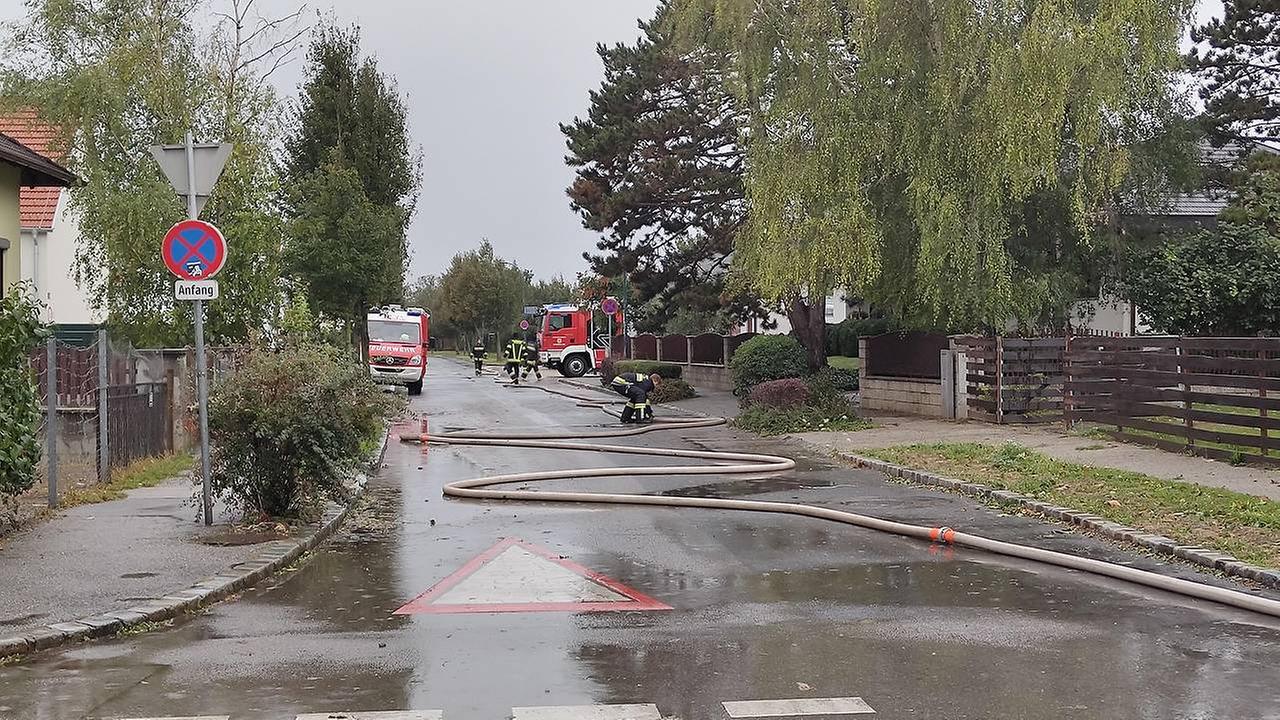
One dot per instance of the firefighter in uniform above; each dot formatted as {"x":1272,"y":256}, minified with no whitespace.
{"x":636,"y":388}
{"x":531,"y":361}
{"x":514,"y":358}
{"x":477,"y":353}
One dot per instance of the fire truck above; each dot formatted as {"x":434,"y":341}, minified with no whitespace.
{"x":575,"y":339}
{"x":398,"y":342}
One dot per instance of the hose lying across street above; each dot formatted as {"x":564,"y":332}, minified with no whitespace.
{"x":734,"y":463}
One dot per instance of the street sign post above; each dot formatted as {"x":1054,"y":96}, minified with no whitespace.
{"x":524,"y":324}
{"x":195,"y":252}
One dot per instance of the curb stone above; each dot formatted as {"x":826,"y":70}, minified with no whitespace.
{"x":1210,"y":559}
{"x":272,"y":558}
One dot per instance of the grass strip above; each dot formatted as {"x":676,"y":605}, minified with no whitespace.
{"x":1234,"y":523}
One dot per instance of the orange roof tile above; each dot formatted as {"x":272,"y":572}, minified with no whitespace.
{"x":39,"y":205}
{"x":27,"y":128}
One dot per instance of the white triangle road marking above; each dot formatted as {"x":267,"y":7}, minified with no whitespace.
{"x":517,"y":576}
{"x":587,"y":712}
{"x":798,"y":707}
{"x":384,"y":715}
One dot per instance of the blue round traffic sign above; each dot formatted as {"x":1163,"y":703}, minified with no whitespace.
{"x":609,"y":306}
{"x":194,"y":250}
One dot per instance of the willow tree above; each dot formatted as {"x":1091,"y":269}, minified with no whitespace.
{"x":894,"y":145}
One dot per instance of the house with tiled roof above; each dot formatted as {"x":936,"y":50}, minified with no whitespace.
{"x":20,"y":167}
{"x":49,"y":229}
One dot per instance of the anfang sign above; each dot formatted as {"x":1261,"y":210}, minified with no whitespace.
{"x":195,"y":289}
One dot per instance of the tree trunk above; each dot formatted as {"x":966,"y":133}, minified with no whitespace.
{"x":809,"y":322}
{"x":360,"y":334}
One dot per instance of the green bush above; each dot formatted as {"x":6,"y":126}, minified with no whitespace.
{"x":20,"y":333}
{"x":764,"y":358}
{"x":837,"y":379}
{"x":290,"y":428}
{"x":791,"y":406}
{"x":672,"y":390}
{"x":668,"y":371}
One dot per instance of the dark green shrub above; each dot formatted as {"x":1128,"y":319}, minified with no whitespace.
{"x":672,"y":390}
{"x":20,"y":333}
{"x":290,"y":428}
{"x":837,"y":379}
{"x":668,"y":371}
{"x":764,"y":358}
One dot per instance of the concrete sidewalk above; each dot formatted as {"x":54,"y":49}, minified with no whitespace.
{"x":1054,"y":441}
{"x":103,"y":557}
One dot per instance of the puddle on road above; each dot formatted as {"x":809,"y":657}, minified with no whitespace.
{"x":348,"y":587}
{"x":743,"y":487}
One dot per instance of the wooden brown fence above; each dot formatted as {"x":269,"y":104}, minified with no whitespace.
{"x":706,"y":349}
{"x":1216,"y":397}
{"x":1014,"y":380}
{"x":905,"y":354}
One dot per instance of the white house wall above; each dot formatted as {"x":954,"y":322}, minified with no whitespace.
{"x":54,"y":251}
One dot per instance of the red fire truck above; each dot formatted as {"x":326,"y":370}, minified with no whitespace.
{"x":575,"y":339}
{"x":398,"y":344}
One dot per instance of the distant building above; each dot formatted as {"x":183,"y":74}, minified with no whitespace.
{"x":837,"y":311}
{"x":49,"y":231}
{"x":1197,"y":209}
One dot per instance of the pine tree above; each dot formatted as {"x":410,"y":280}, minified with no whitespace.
{"x":1239,"y":62}
{"x":660,"y":170}
{"x":352,"y":181}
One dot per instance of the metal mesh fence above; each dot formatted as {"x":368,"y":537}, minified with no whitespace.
{"x":74,"y":440}
{"x":144,"y":415}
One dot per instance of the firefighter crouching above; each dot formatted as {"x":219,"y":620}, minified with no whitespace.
{"x":477,"y":354}
{"x":531,"y":361}
{"x":636,"y":388}
{"x":514,"y":358}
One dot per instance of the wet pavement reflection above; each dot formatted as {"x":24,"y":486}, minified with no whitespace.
{"x":765,"y":607}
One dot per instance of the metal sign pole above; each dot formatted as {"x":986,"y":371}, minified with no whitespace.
{"x":202,"y":384}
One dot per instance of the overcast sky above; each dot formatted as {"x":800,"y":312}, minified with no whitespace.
{"x":487,"y":82}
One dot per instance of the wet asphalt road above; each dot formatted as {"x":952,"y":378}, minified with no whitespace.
{"x":764,"y":607}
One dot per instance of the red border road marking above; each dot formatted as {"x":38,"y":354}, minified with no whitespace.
{"x":424,"y":603}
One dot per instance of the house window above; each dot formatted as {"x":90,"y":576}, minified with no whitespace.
{"x":4,"y":250}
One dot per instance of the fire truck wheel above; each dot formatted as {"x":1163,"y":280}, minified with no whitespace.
{"x":575,"y":366}
{"x":415,"y":388}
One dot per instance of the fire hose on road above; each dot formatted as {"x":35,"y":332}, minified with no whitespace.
{"x":734,"y":463}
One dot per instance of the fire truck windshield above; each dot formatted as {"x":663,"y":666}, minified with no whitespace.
{"x":559,"y":322}
{"x":388,"y":331}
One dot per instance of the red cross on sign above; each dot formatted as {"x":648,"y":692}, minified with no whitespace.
{"x":194,"y":250}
